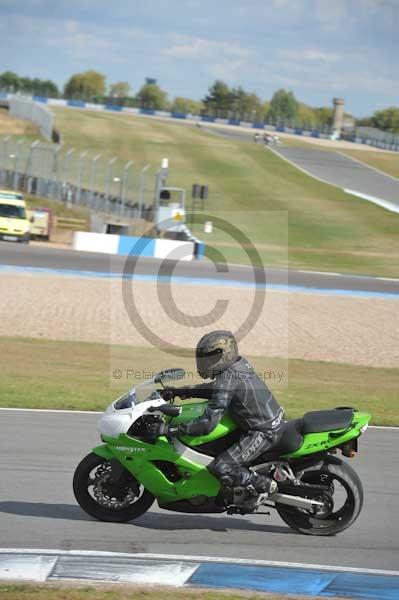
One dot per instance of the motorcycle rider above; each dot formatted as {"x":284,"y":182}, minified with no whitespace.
{"x":237,"y":388}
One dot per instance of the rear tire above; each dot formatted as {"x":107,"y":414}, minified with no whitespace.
{"x":95,"y":503}
{"x":331,"y":523}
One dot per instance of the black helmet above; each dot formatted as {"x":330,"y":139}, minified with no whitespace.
{"x":215,"y":352}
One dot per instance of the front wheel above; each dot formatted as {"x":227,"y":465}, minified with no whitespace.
{"x":343,"y":501}
{"x":105,"y":499}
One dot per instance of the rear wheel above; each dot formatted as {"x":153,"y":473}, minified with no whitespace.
{"x":342,"y":501}
{"x":102,"y":498}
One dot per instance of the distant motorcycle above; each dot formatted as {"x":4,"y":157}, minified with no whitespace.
{"x":318,"y":493}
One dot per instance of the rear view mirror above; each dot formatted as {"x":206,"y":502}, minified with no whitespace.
{"x":169,"y":374}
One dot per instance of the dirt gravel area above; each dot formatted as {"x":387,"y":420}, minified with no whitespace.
{"x":362,"y":331}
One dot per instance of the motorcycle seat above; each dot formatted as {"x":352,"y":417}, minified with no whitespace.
{"x":326,"y":420}
{"x":312,"y":422}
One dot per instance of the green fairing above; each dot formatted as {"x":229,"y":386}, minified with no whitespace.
{"x":103,"y":451}
{"x":138,"y":457}
{"x":193,"y":410}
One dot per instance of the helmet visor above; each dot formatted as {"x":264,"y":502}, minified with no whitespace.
{"x":207,"y":361}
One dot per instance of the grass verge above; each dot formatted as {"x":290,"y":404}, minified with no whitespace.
{"x":78,"y":376}
{"x":122,"y":592}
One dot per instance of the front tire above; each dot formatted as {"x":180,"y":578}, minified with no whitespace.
{"x":343,"y":481}
{"x":96,"y":494}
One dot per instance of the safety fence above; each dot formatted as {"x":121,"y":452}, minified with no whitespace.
{"x":103,"y":184}
{"x":35,"y":112}
{"x":380,"y":139}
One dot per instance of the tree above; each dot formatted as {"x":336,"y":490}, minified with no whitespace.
{"x":9,"y":81}
{"x":324,"y":116}
{"x":85,"y":86}
{"x":187,"y":106}
{"x":49,"y":89}
{"x":246,"y":106}
{"x":386,"y":119}
{"x":219,"y":100}
{"x":283,"y":107}
{"x":306,"y":116}
{"x":152,"y":96}
{"x":121,"y":89}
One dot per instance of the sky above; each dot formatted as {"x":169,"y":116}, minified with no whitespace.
{"x":319,"y":49}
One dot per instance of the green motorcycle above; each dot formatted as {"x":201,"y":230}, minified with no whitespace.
{"x":318,"y":493}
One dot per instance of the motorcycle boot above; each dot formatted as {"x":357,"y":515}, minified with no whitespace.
{"x":246,"y":490}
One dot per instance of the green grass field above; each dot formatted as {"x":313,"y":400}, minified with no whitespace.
{"x":75,"y":375}
{"x":254,"y":189}
{"x":123,"y":592}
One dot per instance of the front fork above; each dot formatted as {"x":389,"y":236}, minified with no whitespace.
{"x":118,"y":471}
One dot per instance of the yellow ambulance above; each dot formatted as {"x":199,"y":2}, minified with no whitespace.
{"x":14,"y":223}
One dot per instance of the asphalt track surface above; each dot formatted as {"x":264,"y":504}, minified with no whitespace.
{"x":343,"y":171}
{"x":331,"y":167}
{"x":60,"y":259}
{"x":40,"y":450}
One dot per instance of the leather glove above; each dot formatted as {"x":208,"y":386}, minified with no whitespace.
{"x":168,"y":394}
{"x":171,"y":392}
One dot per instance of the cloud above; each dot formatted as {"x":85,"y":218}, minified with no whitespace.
{"x":221,"y":60}
{"x":200,"y":48}
{"x":309,"y":55}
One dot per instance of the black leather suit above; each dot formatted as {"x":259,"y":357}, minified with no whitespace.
{"x":253,"y":407}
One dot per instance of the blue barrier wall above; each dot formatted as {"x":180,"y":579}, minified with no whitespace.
{"x":298,"y":131}
{"x":234,"y":122}
{"x":39,"y":99}
{"x":199,"y":250}
{"x":113,"y":107}
{"x":315,"y":134}
{"x":76,"y":103}
{"x":147,"y":111}
{"x":207,"y":119}
{"x":142,"y":246}
{"x":258,"y":125}
{"x":178,"y":115}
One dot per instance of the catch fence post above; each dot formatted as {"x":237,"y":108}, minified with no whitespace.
{"x":93,"y":178}
{"x":16,"y":163}
{"x":124,"y":186}
{"x":80,"y":175}
{"x":108,"y":182}
{"x":29,"y":166}
{"x":142,"y":189}
{"x":66,"y":163}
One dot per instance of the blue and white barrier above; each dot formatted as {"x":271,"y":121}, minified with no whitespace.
{"x":124,"y":245}
{"x":178,"y":571}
